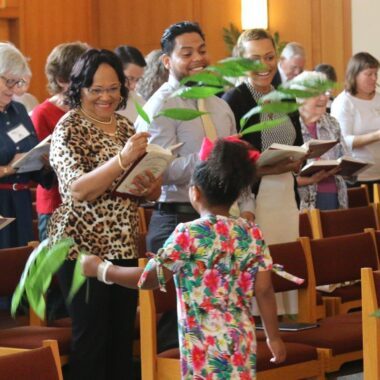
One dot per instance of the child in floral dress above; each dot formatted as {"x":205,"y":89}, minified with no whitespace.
{"x":219,"y":263}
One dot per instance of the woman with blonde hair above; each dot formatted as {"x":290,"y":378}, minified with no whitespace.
{"x":276,"y":195}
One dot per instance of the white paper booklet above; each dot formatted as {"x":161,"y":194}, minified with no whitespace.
{"x":156,"y":159}
{"x":32,"y":160}
{"x":5,"y":221}
{"x":278,"y":152}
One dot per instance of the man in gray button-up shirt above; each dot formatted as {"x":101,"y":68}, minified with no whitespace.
{"x":184,"y":54}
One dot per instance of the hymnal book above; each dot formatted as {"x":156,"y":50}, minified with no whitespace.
{"x":348,"y":166}
{"x":156,"y":159}
{"x":32,"y":160}
{"x":5,"y":221}
{"x":316,"y":148}
{"x":278,"y":152}
{"x":291,"y":326}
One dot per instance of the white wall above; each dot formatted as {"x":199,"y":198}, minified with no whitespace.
{"x":366,"y":26}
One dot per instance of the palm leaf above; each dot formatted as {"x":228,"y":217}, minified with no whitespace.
{"x":196,"y":92}
{"x":263,"y":125}
{"x":236,"y":67}
{"x":245,"y":64}
{"x":141,"y":112}
{"x":280,"y":107}
{"x":275,"y":96}
{"x":20,"y":288}
{"x":230,"y":36}
{"x":78,"y":279}
{"x":206,"y":78}
{"x":37,"y":274}
{"x":184,"y":114}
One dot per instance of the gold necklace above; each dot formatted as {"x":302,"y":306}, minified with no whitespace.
{"x":96,"y":120}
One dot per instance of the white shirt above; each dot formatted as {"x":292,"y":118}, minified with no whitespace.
{"x":284,"y":78}
{"x":166,"y":132}
{"x":358,"y":117}
{"x":28,"y":100}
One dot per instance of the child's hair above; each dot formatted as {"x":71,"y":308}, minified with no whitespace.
{"x":227,"y":173}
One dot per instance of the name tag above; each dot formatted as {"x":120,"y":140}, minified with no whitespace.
{"x":18,"y":133}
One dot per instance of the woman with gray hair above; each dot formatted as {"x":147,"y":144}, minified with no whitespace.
{"x":325,"y":190}
{"x":17,"y":136}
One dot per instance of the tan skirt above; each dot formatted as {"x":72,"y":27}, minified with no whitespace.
{"x":278,"y":217}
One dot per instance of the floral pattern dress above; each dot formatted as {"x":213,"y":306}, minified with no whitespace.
{"x":214,"y":261}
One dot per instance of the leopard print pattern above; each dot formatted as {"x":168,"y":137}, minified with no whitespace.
{"x":107,"y":226}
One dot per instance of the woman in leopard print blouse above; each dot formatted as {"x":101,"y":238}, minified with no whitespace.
{"x":91,"y":147}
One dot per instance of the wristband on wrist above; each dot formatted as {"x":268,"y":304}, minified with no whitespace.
{"x":5,"y":170}
{"x":119,"y":160}
{"x":102,"y":271}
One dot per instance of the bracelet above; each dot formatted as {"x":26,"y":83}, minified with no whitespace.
{"x":120,"y":162}
{"x":101,"y":272}
{"x":5,"y":170}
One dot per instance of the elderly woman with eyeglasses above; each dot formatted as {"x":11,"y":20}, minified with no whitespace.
{"x":17,"y":136}
{"x":92,"y":146}
{"x":325,"y":190}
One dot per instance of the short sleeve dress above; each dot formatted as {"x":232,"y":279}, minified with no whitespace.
{"x":215,"y":260}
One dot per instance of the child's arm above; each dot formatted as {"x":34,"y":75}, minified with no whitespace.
{"x":125,"y":276}
{"x":267,"y":305}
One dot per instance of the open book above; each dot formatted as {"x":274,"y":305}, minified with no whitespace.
{"x":316,"y":148}
{"x":278,"y":152}
{"x":32,"y":160}
{"x":156,"y":159}
{"x":291,"y":326}
{"x":348,"y":166}
{"x":5,"y":221}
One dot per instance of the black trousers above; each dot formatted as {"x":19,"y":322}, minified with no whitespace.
{"x":103,"y":318}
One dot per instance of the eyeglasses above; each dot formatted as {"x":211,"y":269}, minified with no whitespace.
{"x":98,"y":91}
{"x":131,"y":80}
{"x":10,"y":83}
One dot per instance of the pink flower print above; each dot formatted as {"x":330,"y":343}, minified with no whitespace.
{"x":245,"y":282}
{"x":257,"y":233}
{"x":245,"y":376}
{"x":198,"y":356}
{"x":221,"y":228}
{"x":228,"y":245}
{"x":191,"y":322}
{"x":201,"y":266}
{"x":183,"y":240}
{"x":207,"y":305}
{"x":175,"y":255}
{"x":237,"y":359}
{"x":210,"y":340}
{"x":212,"y":280}
{"x":228,"y":317}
